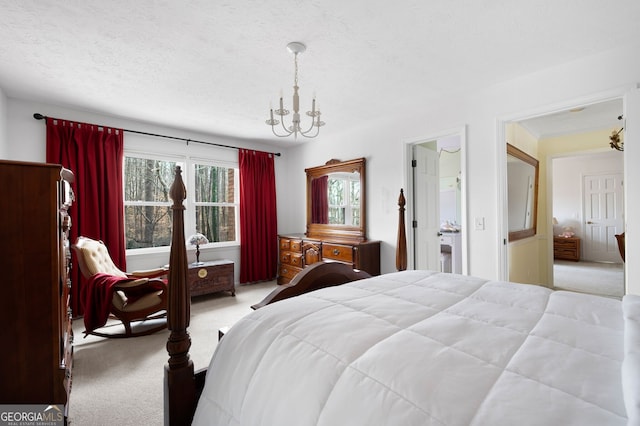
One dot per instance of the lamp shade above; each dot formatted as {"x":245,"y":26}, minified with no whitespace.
{"x":198,"y":239}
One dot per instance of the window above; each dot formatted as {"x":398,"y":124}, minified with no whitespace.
{"x":344,"y":199}
{"x":211,"y":206}
{"x":215,"y":206}
{"x":147,"y":206}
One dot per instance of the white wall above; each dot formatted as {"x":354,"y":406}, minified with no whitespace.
{"x":631,"y":191}
{"x":3,"y":125}
{"x":26,"y":139}
{"x":383,"y":144}
{"x":567,"y":185}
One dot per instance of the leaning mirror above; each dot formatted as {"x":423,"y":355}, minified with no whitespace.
{"x":522,"y":193}
{"x":336,"y":200}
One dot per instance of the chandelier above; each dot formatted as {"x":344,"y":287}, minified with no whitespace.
{"x":614,"y":139}
{"x":295,"y":129}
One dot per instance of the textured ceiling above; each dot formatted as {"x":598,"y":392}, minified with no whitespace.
{"x":215,"y":66}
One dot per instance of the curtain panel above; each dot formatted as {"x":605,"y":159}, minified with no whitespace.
{"x":258,"y":220}
{"x":320,"y":199}
{"x":95,"y":155}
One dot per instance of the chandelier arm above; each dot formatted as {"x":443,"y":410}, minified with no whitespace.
{"x":306,"y":134}
{"x":313,"y":122}
{"x":273,"y":129}
{"x":287,"y":131}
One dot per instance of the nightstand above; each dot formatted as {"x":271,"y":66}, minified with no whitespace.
{"x":566,"y":248}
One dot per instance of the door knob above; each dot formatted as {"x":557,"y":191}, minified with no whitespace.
{"x":589,"y":222}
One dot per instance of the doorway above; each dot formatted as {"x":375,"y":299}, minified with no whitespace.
{"x":587,"y":204}
{"x":436,"y":207}
{"x":571,"y":149}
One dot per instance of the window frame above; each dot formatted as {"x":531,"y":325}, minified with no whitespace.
{"x":191,"y":178}
{"x":187,"y":164}
{"x":347,"y":205}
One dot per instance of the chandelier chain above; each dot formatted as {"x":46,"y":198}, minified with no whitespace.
{"x":295,"y":78}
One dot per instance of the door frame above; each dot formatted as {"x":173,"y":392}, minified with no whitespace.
{"x":409,"y":188}
{"x":502,"y":239}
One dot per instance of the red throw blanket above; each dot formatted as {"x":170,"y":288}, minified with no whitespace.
{"x":97,"y":295}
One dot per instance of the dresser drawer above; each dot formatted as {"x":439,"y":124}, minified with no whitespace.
{"x":285,"y":244}
{"x":339,"y":252}
{"x":286,"y":273}
{"x":291,"y":258}
{"x":296,"y":246}
{"x":290,"y":245}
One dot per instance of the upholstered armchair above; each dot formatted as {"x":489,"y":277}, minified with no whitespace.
{"x":130,"y":297}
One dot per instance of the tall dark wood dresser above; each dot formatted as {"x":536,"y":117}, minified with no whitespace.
{"x":35,"y":367}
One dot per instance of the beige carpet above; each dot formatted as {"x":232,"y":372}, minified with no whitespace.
{"x":120,"y":381}
{"x":604,"y":279}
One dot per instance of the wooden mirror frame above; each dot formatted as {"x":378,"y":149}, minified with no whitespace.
{"x":526,"y":158}
{"x":338,"y":232}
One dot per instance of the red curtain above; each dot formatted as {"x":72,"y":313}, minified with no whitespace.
{"x":320,"y":199}
{"x":258,"y":220}
{"x":95,"y":155}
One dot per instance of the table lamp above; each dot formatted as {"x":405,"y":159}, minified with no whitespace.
{"x":196,"y":240}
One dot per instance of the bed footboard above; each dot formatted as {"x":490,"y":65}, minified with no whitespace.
{"x":317,"y":276}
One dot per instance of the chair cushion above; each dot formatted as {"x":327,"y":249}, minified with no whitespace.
{"x":96,"y":258}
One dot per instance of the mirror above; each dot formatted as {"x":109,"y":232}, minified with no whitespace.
{"x":522,"y":193}
{"x":336,"y":200}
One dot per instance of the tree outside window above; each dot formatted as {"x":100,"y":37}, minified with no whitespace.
{"x":344,"y":200}
{"x":215,"y":202}
{"x":210,"y":205}
{"x":147,"y":206}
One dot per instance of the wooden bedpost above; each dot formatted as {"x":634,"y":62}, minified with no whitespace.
{"x":179,"y":382}
{"x":401,"y":249}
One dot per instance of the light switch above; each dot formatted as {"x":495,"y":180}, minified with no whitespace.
{"x":479,"y":223}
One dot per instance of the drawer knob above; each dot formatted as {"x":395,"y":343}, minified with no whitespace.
{"x":336,"y":252}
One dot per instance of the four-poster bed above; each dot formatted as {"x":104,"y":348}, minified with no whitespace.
{"x":410,"y":347}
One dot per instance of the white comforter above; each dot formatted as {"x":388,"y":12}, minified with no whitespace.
{"x":425,"y":348}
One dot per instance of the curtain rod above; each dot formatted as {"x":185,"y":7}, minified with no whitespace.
{"x":39,"y":116}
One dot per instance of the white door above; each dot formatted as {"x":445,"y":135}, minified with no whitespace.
{"x":603,"y":217}
{"x":426,"y":197}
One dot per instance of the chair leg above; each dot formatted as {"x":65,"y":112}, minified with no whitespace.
{"x":129,"y":329}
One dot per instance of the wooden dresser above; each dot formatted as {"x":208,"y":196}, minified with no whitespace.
{"x":34,"y":305}
{"x":295,"y":252}
{"x":566,"y":248}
